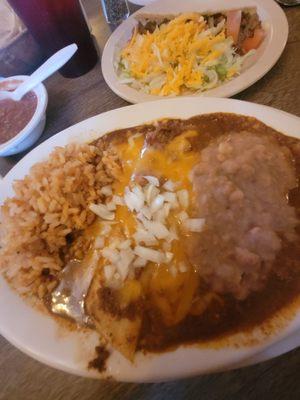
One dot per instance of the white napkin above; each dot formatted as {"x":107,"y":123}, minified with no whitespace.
{"x":10,"y":24}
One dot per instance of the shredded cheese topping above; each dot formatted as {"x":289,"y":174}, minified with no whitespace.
{"x":184,"y":54}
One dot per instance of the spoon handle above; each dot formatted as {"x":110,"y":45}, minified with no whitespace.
{"x":48,"y":68}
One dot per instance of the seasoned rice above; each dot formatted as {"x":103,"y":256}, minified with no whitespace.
{"x":49,"y":204}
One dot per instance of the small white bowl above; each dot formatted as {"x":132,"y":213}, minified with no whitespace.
{"x":33,"y":130}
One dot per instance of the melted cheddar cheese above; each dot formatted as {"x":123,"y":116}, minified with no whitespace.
{"x":172,"y":51}
{"x":171,"y":293}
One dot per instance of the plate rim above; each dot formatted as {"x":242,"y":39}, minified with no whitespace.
{"x":158,"y":108}
{"x":268,"y":59}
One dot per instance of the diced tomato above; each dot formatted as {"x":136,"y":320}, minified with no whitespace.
{"x":253,"y":42}
{"x":233,"y":24}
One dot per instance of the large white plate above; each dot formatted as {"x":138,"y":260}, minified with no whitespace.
{"x":39,"y":335}
{"x":256,"y":66}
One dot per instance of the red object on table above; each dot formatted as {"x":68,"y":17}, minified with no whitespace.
{"x":55,"y":24}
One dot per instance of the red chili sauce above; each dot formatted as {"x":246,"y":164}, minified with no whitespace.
{"x":15,"y":115}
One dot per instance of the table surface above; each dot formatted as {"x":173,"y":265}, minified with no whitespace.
{"x":71,"y":101}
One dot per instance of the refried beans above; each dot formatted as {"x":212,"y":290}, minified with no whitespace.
{"x":241,"y":185}
{"x":15,"y":115}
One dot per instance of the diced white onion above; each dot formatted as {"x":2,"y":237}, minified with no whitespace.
{"x":171,"y":198}
{"x":150,"y":193}
{"x":183,"y":198}
{"x":138,"y":191}
{"x":167,"y":208}
{"x":105,"y":229}
{"x":157,"y":203}
{"x":194,"y":224}
{"x":159,"y":216}
{"x":166,"y":246}
{"x":106,"y":190}
{"x":114,"y":244}
{"x":155,"y":256}
{"x":173,"y":270}
{"x":151,"y":207}
{"x":157,"y":229}
{"x":126,"y":258}
{"x":130,"y":199}
{"x":182,"y":267}
{"x":146,"y":212}
{"x":169,"y":186}
{"x":99,"y":242}
{"x":152,"y":179}
{"x":168,"y":256}
{"x":102,"y":211}
{"x":109,"y":271}
{"x":110,"y":254}
{"x":134,"y":200}
{"x":143,"y":236}
{"x":139,"y":262}
{"x":125,"y":245}
{"x":182,"y":216}
{"x":173,"y":235}
{"x":111,"y":206}
{"x":117,"y":276}
{"x":118,"y":200}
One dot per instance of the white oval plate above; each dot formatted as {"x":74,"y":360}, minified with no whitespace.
{"x":255,"y":67}
{"x":39,"y":335}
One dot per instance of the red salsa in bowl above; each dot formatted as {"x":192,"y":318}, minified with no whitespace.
{"x":15,"y":115}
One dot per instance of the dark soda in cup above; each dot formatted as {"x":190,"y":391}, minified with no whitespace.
{"x":55,"y":24}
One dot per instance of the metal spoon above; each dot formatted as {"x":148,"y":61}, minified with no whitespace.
{"x":44,"y":71}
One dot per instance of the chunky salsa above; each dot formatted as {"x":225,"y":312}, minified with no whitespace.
{"x":15,"y":115}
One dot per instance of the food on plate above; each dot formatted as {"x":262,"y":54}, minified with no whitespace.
{"x":190,"y":52}
{"x":247,"y":225}
{"x":15,"y":115}
{"x":164,"y":234}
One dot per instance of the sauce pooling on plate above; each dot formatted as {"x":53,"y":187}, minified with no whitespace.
{"x":165,"y":234}
{"x":15,"y":115}
{"x":176,"y":269}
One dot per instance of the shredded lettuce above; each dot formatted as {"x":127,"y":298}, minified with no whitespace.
{"x":209,"y":69}
{"x":221,"y":70}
